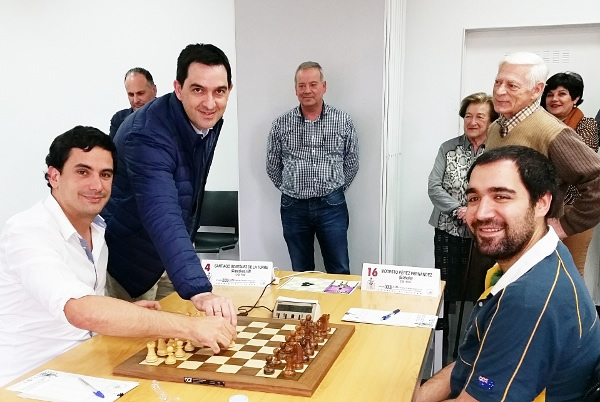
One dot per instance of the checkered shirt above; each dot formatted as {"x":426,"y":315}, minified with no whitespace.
{"x":507,"y":125}
{"x":307,"y":158}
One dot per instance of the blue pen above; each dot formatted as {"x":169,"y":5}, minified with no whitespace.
{"x":385,"y":317}
{"x":94,"y":390}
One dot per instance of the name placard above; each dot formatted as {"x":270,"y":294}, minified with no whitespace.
{"x":238,"y":273}
{"x":400,"y":279}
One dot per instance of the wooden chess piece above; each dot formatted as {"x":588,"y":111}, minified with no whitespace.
{"x":276,"y":360}
{"x":171,"y":356}
{"x":289,"y":347}
{"x":327,"y":325}
{"x":320,"y":326}
{"x":162,"y":348}
{"x":289,"y":366}
{"x":318,"y":335}
{"x":179,"y":351}
{"x":188,"y":346}
{"x":313,"y":342}
{"x":309,"y":350}
{"x":299,"y":358}
{"x":269,"y":367}
{"x":151,"y":357}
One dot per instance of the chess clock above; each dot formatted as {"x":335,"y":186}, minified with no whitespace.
{"x":296,"y":309}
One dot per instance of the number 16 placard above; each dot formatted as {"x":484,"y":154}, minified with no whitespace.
{"x":398,"y":279}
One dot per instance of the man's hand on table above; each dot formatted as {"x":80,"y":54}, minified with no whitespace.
{"x":214,"y":305}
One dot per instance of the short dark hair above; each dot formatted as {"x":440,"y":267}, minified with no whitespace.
{"x":201,"y":53}
{"x":82,"y":137}
{"x":570,"y":80}
{"x":536,"y":171}
{"x":143,"y":71}
{"x":478,"y":98}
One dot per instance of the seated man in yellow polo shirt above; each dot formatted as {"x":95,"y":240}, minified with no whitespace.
{"x":534,"y":333}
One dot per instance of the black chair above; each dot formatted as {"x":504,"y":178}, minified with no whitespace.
{"x":593,"y":391}
{"x":219,"y":224}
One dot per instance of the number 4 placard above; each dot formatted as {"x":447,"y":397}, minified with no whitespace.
{"x":398,"y":279}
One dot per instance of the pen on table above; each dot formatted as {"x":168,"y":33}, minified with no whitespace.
{"x":96,"y":392}
{"x":385,"y":317}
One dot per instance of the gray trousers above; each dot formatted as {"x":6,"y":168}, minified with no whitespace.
{"x":159,"y":290}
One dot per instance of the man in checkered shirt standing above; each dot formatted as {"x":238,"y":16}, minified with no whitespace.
{"x":312,"y":157}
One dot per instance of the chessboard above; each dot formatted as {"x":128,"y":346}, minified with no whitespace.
{"x":242,"y":365}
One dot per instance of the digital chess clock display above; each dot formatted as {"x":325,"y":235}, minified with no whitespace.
{"x":294,"y":308}
{"x":288,"y":308}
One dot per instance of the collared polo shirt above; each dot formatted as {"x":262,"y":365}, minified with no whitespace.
{"x":534,"y":334}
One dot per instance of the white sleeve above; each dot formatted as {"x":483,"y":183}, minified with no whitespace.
{"x":50,"y":269}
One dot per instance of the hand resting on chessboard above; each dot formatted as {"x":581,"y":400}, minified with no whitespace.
{"x":109,"y":316}
{"x":213,"y":304}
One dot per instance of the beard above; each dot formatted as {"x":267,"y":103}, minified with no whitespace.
{"x":516,"y":237}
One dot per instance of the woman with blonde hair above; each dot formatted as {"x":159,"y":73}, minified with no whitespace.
{"x":447,"y":186}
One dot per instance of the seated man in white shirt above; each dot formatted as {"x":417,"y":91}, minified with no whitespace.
{"x":53,"y":267}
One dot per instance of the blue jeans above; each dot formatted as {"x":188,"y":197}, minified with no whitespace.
{"x":326,"y":217}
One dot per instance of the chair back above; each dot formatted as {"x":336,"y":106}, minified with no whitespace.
{"x":220,"y":208}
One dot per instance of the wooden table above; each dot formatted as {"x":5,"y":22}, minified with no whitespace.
{"x":379,"y":363}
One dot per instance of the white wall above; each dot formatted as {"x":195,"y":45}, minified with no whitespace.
{"x":272,"y":38}
{"x":62,"y":64}
{"x":563,"y":48}
{"x":434,"y":48}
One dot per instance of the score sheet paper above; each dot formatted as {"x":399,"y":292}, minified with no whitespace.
{"x":368,"y":316}
{"x":400,"y":279}
{"x":52,"y":385}
{"x":309,"y":284}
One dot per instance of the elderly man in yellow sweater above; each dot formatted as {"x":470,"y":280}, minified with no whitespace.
{"x":518,"y":87}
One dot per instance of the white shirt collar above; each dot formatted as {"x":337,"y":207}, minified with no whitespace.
{"x":66,"y":227}
{"x":540,"y":250}
{"x":201,"y":131}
